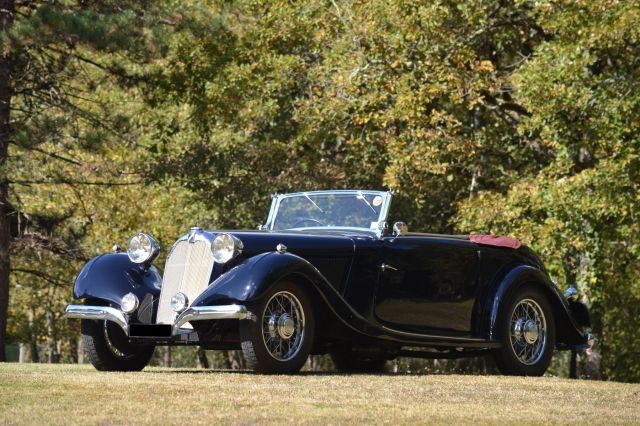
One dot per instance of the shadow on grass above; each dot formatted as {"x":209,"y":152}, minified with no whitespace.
{"x":167,"y":370}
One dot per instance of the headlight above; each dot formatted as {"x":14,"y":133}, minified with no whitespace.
{"x":225,"y":247}
{"x":129,"y":303}
{"x":142,"y":248}
{"x":179,"y":302}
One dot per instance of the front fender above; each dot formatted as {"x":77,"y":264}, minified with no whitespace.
{"x":569,"y":332}
{"x":110,"y":276}
{"x":248,"y":282}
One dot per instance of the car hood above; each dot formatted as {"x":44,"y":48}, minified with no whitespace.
{"x":331,"y":253}
{"x":303,"y":244}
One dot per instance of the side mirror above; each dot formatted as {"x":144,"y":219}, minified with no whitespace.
{"x":400,"y":228}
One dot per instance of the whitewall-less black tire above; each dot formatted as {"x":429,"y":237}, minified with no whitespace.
{"x":527,"y":331}
{"x":108,"y":348}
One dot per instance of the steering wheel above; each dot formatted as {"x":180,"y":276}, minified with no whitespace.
{"x":307,"y":219}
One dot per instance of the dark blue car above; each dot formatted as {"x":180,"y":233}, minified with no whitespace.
{"x":325,"y":274}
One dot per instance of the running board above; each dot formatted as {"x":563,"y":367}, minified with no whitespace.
{"x":453,"y":354}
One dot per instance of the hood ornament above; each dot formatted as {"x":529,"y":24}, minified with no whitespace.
{"x":192,"y":234}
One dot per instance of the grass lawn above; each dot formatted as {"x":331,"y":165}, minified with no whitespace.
{"x":77,"y":394}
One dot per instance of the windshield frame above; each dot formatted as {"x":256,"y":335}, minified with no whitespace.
{"x":382,"y":217}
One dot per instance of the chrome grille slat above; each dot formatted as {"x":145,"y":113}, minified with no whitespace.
{"x":187,"y":270}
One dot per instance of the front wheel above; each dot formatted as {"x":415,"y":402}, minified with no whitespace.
{"x":279,"y":338}
{"x":109,"y":349}
{"x":526,"y":328}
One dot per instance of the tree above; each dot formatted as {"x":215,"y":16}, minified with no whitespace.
{"x":579,"y":208}
{"x":51,"y":125}
{"x":7,"y":10}
{"x":408,"y":95}
{"x":512,"y":117}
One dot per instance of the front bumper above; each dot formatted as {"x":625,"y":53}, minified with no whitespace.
{"x":196,"y":313}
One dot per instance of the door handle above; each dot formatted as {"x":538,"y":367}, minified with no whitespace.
{"x":384,"y":267}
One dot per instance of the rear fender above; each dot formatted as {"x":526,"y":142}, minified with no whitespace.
{"x":568,"y":330}
{"x":110,"y":276}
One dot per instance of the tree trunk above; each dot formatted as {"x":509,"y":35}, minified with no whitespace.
{"x":7,"y":8}
{"x":233,"y":360}
{"x":33,"y":338}
{"x":593,"y":364}
{"x":167,"y":356}
{"x":203,"y":361}
{"x":80,"y":346}
{"x":73,"y":350}
{"x":54,"y":355}
{"x":573,"y":365}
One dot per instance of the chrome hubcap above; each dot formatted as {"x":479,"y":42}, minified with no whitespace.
{"x":283,"y":326}
{"x":528,"y":331}
{"x":286,"y":327}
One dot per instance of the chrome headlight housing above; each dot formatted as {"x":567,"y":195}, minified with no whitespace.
{"x":142,"y":248}
{"x":225,"y":247}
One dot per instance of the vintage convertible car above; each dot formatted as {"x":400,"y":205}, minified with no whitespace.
{"x":324,"y":275}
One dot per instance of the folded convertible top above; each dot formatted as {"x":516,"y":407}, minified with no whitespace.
{"x":495,"y":240}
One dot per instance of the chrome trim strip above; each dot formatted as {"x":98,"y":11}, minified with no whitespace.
{"x":197,"y":313}
{"x":194,"y":234}
{"x":203,"y":313}
{"x":433,"y":336}
{"x":98,"y":313}
{"x":275,"y":200}
{"x":384,"y":213}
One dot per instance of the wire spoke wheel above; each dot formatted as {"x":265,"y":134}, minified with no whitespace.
{"x":528,"y":331}
{"x":279,"y":337}
{"x":283,"y":326}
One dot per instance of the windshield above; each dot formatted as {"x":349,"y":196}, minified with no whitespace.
{"x":329,"y":209}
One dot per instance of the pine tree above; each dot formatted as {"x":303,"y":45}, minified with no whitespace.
{"x":53,"y":58}
{"x":7,"y":11}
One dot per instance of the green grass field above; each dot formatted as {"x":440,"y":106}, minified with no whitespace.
{"x":77,"y":394}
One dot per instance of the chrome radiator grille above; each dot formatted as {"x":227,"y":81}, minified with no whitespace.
{"x":187,"y":270}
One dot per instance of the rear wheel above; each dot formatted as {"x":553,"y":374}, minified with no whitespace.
{"x":526,"y":328}
{"x":347,"y":361}
{"x":109,"y":349}
{"x":279,"y":338}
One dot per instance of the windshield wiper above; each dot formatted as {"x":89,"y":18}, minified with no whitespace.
{"x":361,"y":197}
{"x":312,"y":202}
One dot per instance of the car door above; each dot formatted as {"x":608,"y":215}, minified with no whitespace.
{"x":427,"y":283}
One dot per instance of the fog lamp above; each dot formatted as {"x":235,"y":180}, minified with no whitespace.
{"x":129,"y":303}
{"x":179,"y":302}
